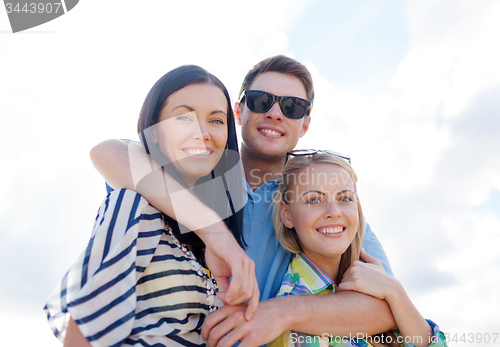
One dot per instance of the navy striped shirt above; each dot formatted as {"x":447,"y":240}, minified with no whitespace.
{"x":134,"y":284}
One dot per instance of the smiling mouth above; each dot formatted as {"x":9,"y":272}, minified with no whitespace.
{"x":331,"y":231}
{"x":198,"y":152}
{"x":271,"y":132}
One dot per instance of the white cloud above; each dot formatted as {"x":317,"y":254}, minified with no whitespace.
{"x":475,"y":263}
{"x":14,"y":325}
{"x":453,"y":56}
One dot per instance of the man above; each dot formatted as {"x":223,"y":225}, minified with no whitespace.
{"x":271,"y":126}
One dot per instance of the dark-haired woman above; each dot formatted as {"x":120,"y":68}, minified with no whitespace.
{"x":143,"y":278}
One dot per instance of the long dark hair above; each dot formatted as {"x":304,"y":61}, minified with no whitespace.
{"x":208,"y":188}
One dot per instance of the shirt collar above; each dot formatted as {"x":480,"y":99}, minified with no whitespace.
{"x":315,"y":278}
{"x":270,"y":184}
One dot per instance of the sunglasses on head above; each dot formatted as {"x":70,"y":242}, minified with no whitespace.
{"x":303,"y":152}
{"x":261,"y":102}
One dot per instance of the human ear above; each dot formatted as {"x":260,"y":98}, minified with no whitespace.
{"x":237,"y":113}
{"x":154,"y":136}
{"x":285,"y":215}
{"x":305,"y":126}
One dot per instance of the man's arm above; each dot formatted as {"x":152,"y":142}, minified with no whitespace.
{"x":124,"y":163}
{"x":113,"y":159}
{"x":344,"y":313}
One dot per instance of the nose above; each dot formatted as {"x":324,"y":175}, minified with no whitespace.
{"x":275,"y":112}
{"x":200,"y":132}
{"x":332,"y":210}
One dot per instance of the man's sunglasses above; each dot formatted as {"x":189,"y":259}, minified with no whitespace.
{"x":304,"y":152}
{"x":261,"y":102}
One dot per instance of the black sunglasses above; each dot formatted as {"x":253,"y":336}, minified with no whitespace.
{"x":304,"y":152}
{"x":261,"y":102}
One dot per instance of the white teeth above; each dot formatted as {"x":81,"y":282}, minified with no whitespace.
{"x":335,"y":230}
{"x":197,"y":152}
{"x":271,"y":132}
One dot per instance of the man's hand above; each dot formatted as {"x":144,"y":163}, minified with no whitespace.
{"x":226,"y":326}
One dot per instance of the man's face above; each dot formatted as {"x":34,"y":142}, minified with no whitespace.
{"x":271,"y":135}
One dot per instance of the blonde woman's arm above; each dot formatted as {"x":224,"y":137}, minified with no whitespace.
{"x":370,"y":278}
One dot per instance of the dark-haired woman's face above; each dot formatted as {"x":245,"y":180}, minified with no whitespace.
{"x":192,"y":130}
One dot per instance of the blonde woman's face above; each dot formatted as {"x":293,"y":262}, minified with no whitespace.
{"x":322,"y":208}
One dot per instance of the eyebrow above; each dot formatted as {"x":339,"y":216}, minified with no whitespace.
{"x":322,"y":193}
{"x":192,"y":109}
{"x":185,"y":106}
{"x":345,"y":191}
{"x":313,"y":191}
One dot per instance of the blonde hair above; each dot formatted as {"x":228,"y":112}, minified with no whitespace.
{"x":288,"y":237}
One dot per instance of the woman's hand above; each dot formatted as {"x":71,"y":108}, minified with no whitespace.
{"x":225,"y":258}
{"x":369,"y":278}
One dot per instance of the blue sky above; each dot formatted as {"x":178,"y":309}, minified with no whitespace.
{"x":352,"y":42}
{"x":408,"y":88}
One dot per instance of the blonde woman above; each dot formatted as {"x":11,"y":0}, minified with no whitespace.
{"x":318,"y":218}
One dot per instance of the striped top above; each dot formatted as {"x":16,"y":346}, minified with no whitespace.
{"x":303,"y":277}
{"x":134,"y":284}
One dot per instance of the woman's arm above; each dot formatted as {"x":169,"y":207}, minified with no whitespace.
{"x":370,"y":278}
{"x":125,"y":164}
{"x":74,"y":337}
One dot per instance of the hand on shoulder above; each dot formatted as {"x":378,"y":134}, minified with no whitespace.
{"x":370,"y":278}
